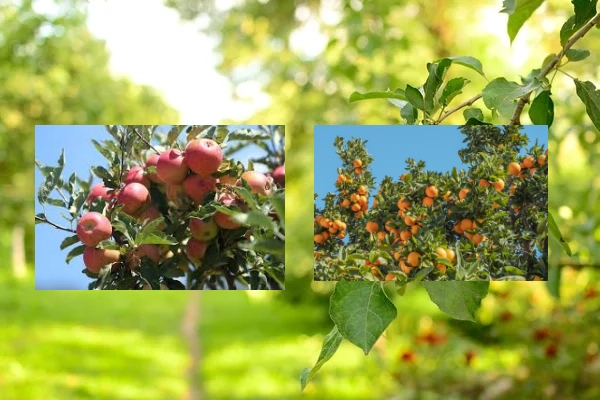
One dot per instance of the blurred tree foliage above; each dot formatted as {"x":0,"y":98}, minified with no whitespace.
{"x":308,"y":56}
{"x":54,"y":72}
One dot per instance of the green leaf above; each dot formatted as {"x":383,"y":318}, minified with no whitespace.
{"x":501,"y":94}
{"x":361,"y":311}
{"x":475,"y":121}
{"x":246,"y":195}
{"x":452,"y":89}
{"x":278,"y":201}
{"x":437,"y":72}
{"x":330,"y":345}
{"x":414,"y":97}
{"x":102,"y":173}
{"x":508,"y":6}
{"x":174,"y":133}
{"x":521,"y":13}
{"x":248,"y":134}
{"x":584,"y":11}
{"x":541,"y":111}
{"x":106,"y":153}
{"x":513,"y":270}
{"x":575,"y":55}
{"x":460,"y":300}
{"x":71,"y":240}
{"x":409,"y":113}
{"x":56,"y":202}
{"x":591,"y":98}
{"x":154,"y":238}
{"x":397,"y":94}
{"x":553,"y":284}
{"x":555,"y":232}
{"x":273,"y":246}
{"x":255,"y":218}
{"x":77,"y":251}
{"x":469,"y":62}
{"x":423,"y":272}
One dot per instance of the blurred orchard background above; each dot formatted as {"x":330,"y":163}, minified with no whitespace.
{"x":293,"y":63}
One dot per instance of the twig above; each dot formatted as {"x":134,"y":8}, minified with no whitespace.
{"x":516,"y":117}
{"x":458,"y":107}
{"x":145,"y":141}
{"x":62,"y":228}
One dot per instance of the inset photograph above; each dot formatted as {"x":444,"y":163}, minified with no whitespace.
{"x":435,"y":203}
{"x":160,"y":207}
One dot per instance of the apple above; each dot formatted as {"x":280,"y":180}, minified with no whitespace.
{"x":279,"y":175}
{"x":92,"y":228}
{"x":134,"y":197}
{"x":228,"y":180}
{"x":171,"y":166}
{"x":175,"y":194}
{"x":203,"y":156}
{"x":198,"y":187}
{"x":99,"y":190}
{"x":151,"y":161}
{"x":151,"y":213}
{"x":137,"y":174}
{"x":223,"y":220}
{"x":149,"y":250}
{"x":195,"y":249}
{"x":259,"y":183}
{"x":203,"y":230}
{"x":94,"y":259}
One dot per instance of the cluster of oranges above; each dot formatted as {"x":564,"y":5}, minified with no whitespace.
{"x":358,"y":201}
{"x":326,"y":228}
{"x":357,"y":166}
{"x":527,"y":167}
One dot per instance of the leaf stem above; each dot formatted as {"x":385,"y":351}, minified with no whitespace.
{"x":458,"y":107}
{"x":516,"y":117}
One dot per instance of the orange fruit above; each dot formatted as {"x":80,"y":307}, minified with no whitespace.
{"x":469,"y":235}
{"x":390,"y":277}
{"x":500,"y":146}
{"x":364,"y":207}
{"x":450,"y":255}
{"x":319,"y":238}
{"x":414,"y":259}
{"x":341,"y":235}
{"x":427,"y":201}
{"x":405,"y":234}
{"x":541,"y":160}
{"x":483,"y":183}
{"x":375,"y":202}
{"x":512,"y":189}
{"x":531,"y":171}
{"x":457,"y":228}
{"x":358,"y":171}
{"x":440,"y":252}
{"x":546,"y":153}
{"x":478,"y":239}
{"x":431,"y":191}
{"x":498,"y":185}
{"x":357,"y":163}
{"x":355,"y":207}
{"x":410,"y":221}
{"x":402,"y":177}
{"x":372,"y":227}
{"x":387,"y":226}
{"x":495,"y":205}
{"x":318,"y":218}
{"x":362,"y":200}
{"x":514,"y":168}
{"x":333,"y":230}
{"x":447,"y":196}
{"x":325,"y":222}
{"x":403,"y":204}
{"x":354,"y":197}
{"x":466,"y":224}
{"x":326,"y":235}
{"x":463,"y":193}
{"x":414,"y":229}
{"x":441,"y":267}
{"x":405,"y":268}
{"x":358,"y":215}
{"x":362,"y":189}
{"x":395,"y":232}
{"x":345,"y":203}
{"x":380,"y":236}
{"x":528,"y":162}
{"x":375,"y":273}
{"x":537,"y":278}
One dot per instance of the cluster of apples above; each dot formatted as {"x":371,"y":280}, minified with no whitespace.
{"x":183,"y":176}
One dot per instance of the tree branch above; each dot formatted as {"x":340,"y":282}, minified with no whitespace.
{"x":516,"y":117}
{"x":145,"y":141}
{"x":46,"y":220}
{"x":458,"y":107}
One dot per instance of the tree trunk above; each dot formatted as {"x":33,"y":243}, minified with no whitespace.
{"x":190,"y":326}
{"x":18,"y":252}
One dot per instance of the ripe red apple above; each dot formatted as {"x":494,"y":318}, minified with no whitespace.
{"x":223,"y":220}
{"x":94,"y":259}
{"x":92,"y":228}
{"x":149,"y":250}
{"x":171,"y":166}
{"x":195,"y":249}
{"x":279,"y":175}
{"x":151,"y":213}
{"x":203,"y":156}
{"x":137,"y":174}
{"x":151,"y":161}
{"x":99,"y":190}
{"x":197,"y":187}
{"x":259,"y":183}
{"x":203,"y":230}
{"x":134,"y":197}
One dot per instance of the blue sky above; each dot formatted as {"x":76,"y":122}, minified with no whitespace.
{"x":391,"y":145}
{"x":51,"y":271}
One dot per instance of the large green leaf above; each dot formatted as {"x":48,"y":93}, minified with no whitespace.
{"x":469,"y":62}
{"x":555,"y":232}
{"x":361,"y":311}
{"x":460,"y":300}
{"x":584,"y":11}
{"x":397,"y":94}
{"x":575,"y":55}
{"x":414,"y":97}
{"x":541,"y":111}
{"x":501,"y":94}
{"x":437,"y":72}
{"x":590,"y":96}
{"x":452,"y":89}
{"x":330,"y":345}
{"x":520,"y":13}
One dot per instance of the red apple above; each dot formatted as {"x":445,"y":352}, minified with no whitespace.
{"x":259,"y":183}
{"x":151,"y":213}
{"x":134,"y":197}
{"x":99,"y":190}
{"x":203,"y":230}
{"x":223,"y":220}
{"x":151,"y":161}
{"x":279,"y":175}
{"x":137,"y":174}
{"x":203,"y":156}
{"x":94,"y":259}
{"x":149,"y":250}
{"x":195,"y":249}
{"x":93,"y":228}
{"x":197,"y":187}
{"x":171,"y":166}
{"x":175,"y":194}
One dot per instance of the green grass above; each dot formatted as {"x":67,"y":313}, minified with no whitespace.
{"x":85,"y":344}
